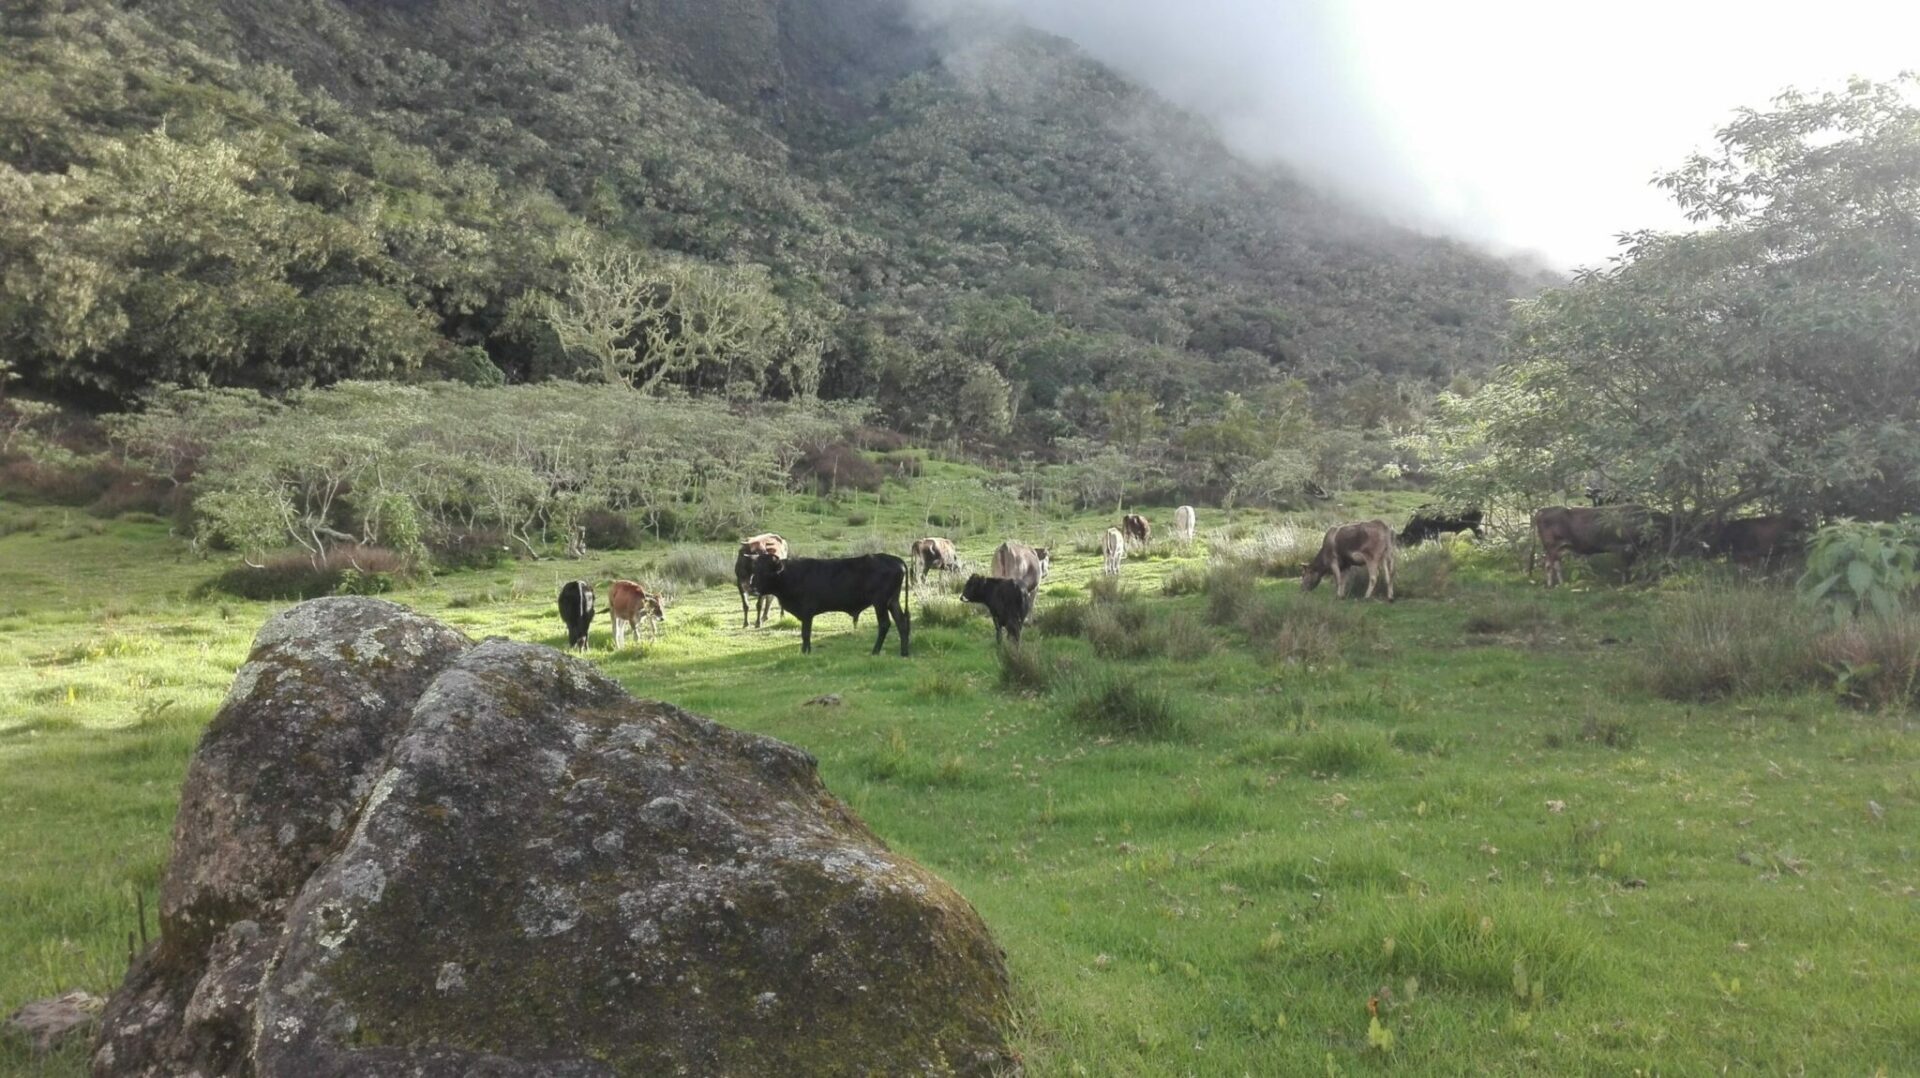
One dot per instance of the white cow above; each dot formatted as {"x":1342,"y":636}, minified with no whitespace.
{"x":1113,"y":546}
{"x":1183,"y":523}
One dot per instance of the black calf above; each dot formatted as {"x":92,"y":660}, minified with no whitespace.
{"x":810,"y":586}
{"x":1432,"y":521}
{"x":1005,"y":599}
{"x":576,"y":609}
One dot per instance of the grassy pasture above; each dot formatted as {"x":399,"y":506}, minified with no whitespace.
{"x":1460,"y":811}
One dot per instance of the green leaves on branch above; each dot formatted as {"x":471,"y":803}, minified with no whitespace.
{"x":1856,"y":568}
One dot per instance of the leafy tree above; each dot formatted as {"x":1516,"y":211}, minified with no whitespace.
{"x":1769,"y":358}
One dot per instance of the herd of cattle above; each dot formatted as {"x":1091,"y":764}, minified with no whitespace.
{"x":766,"y":572}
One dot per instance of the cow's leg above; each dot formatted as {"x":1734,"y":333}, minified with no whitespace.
{"x":906,"y":626}
{"x":1339,"y":581}
{"x":616,"y":633}
{"x":1373,"y":575}
{"x":806,"y":636}
{"x":1388,"y":568}
{"x":881,"y":614}
{"x":743,"y":603}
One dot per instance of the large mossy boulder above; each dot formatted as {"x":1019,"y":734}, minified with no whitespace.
{"x":534,"y":874}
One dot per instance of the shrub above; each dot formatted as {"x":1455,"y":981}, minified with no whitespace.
{"x":1061,"y":619}
{"x":1107,"y":589}
{"x":1281,"y":550}
{"x":857,"y":520}
{"x":903,"y":465}
{"x":693,"y":568}
{"x":133,"y":492}
{"x":1854,"y":567}
{"x":1330,"y":753}
{"x":607,"y":529}
{"x":1117,"y":705}
{"x":470,"y":548}
{"x":1022,"y":669}
{"x":1230,"y":591}
{"x":1875,"y":660}
{"x":837,"y":466}
{"x":1729,"y":641}
{"x":879,"y":438}
{"x":342,"y":571}
{"x":74,"y":483}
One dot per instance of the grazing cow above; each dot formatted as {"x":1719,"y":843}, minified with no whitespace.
{"x":576,"y":609}
{"x":1006,"y":600}
{"x":1136,"y":528}
{"x":1755,"y":539}
{"x":1627,"y":530}
{"x":808,"y":587}
{"x":933,"y":553}
{"x":634,"y":607}
{"x":764,"y":543}
{"x":1183,"y":519}
{"x":1367,"y":544}
{"x":1113,"y":548}
{"x":1022,"y":564}
{"x":1431,"y":521}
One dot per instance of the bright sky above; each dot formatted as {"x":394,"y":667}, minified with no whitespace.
{"x":1523,"y":124}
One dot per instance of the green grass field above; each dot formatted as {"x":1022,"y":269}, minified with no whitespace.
{"x":1456,"y":810}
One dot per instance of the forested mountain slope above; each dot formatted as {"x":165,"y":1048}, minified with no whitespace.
{"x":976,"y":226}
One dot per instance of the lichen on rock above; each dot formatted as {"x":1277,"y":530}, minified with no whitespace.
{"x":540,"y":874}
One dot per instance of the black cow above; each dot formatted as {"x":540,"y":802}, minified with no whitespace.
{"x":810,"y":586}
{"x":1005,"y":599}
{"x":1755,"y":539}
{"x":576,"y":609}
{"x":1431,"y":521}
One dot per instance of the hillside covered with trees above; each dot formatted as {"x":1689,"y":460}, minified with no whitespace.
{"x":976,"y":228}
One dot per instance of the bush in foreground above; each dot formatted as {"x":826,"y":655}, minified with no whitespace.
{"x":1116,"y":705}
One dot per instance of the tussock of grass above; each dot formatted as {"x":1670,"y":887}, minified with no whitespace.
{"x":693,"y":568}
{"x":1186,"y":580}
{"x":1118,"y":705}
{"x":1024,"y":669}
{"x":1507,"y":614}
{"x":341,"y":571}
{"x":1497,"y":947}
{"x":1276,"y":551}
{"x":1875,"y":660}
{"x":943,"y":613}
{"x":1061,"y":619}
{"x":1732,"y":641}
{"x":1131,"y":629}
{"x":894,"y":761}
{"x":1291,"y":630}
{"x":1338,"y":753}
{"x":1424,"y":572}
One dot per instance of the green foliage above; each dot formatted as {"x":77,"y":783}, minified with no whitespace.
{"x":405,"y":467}
{"x":280,"y":196}
{"x":1119,"y":705}
{"x":1854,"y":567}
{"x":1767,"y":358}
{"x":1730,"y":641}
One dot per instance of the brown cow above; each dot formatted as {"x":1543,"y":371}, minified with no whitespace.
{"x":1136,"y":529}
{"x":933,"y":553}
{"x":634,"y":607}
{"x":1368,"y":544}
{"x":1024,"y":565}
{"x":764,"y":543}
{"x":1755,"y":539}
{"x":1627,"y":530}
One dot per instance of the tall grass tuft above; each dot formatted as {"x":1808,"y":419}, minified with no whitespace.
{"x":943,"y":613}
{"x":694,"y":568}
{"x":1023,"y":669}
{"x":1424,"y":572}
{"x":1117,"y":705}
{"x":1230,"y":591}
{"x":1289,"y":630}
{"x":1730,"y":641}
{"x":1279,"y":550}
{"x":1875,"y":660}
{"x":1068,"y":618}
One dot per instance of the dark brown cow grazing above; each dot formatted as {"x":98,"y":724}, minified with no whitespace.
{"x":633,"y":607}
{"x":1367,"y":544}
{"x":1627,"y":530}
{"x":1136,"y":529}
{"x":764,"y":543}
{"x":1755,"y":539}
{"x":933,"y":553}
